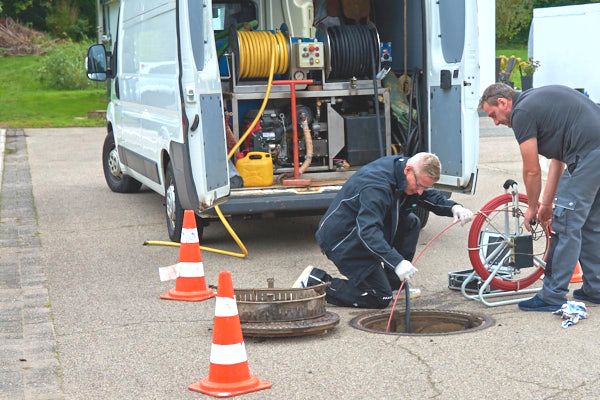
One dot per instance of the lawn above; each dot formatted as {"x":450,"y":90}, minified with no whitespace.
{"x":28,"y":104}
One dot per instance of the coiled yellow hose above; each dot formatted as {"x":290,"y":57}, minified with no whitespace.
{"x":255,"y":50}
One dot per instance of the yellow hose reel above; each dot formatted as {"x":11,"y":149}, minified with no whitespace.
{"x":254,"y":49}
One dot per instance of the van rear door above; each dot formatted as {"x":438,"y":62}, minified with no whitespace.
{"x":453,"y":89}
{"x":204,"y":145}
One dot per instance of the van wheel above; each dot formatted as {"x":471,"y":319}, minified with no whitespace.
{"x":173,"y":210}
{"x":116,"y":180}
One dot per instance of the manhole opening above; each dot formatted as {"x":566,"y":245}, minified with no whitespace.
{"x":422,"y":322}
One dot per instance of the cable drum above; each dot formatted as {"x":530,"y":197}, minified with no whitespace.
{"x":253,"y":51}
{"x":350,"y":50}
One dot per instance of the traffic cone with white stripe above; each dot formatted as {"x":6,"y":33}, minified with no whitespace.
{"x":190,"y":284}
{"x":228,"y":374}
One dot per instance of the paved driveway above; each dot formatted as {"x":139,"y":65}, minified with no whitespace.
{"x":105,"y":334}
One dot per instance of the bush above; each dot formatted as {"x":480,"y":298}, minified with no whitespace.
{"x":63,"y":67}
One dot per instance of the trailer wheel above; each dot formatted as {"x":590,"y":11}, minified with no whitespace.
{"x":173,"y":209}
{"x":116,"y":180}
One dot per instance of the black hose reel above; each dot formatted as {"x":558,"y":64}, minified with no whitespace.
{"x":349,"y":50}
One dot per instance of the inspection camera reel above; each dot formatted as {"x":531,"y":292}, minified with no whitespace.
{"x":502,"y":252}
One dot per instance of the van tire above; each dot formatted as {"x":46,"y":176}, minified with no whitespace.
{"x":173,"y":210}
{"x":115,"y":179}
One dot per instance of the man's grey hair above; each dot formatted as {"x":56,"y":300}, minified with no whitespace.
{"x":494,"y":92}
{"x":426,"y":163}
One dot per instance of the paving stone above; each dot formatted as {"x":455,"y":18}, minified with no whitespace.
{"x":29,"y":368}
{"x":11,"y":384}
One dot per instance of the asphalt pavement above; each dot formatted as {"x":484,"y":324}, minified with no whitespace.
{"x":80,"y":299}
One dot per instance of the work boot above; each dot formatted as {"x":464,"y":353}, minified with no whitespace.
{"x":537,"y":304}
{"x":311,"y":276}
{"x":579,"y":294}
{"x":414,"y":292}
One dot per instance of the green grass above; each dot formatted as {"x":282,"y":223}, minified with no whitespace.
{"x":519,"y":52}
{"x":25,"y":103}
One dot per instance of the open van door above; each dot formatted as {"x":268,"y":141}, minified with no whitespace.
{"x":453,"y":89}
{"x":203,"y":165}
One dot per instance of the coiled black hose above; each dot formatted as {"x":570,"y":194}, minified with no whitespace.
{"x":352,"y":47}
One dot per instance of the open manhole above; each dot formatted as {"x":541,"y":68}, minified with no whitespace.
{"x":422,"y":322}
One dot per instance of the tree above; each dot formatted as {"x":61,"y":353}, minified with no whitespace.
{"x":63,"y":18}
{"x":28,"y":12}
{"x":512,"y":16}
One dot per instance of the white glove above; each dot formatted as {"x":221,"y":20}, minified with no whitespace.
{"x":461,"y":214}
{"x":405,"y":270}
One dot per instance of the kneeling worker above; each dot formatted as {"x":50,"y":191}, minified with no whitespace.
{"x":370,"y":232}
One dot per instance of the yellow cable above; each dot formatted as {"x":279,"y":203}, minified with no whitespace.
{"x":235,"y":237}
{"x":264,"y":102}
{"x":238,"y":241}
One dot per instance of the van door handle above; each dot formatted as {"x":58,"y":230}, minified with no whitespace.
{"x":195,"y":123}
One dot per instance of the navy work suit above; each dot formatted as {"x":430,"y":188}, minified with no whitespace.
{"x":370,"y":228}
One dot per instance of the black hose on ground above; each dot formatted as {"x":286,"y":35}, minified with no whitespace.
{"x":407,"y":327}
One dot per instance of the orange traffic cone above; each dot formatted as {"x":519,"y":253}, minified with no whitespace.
{"x":228,"y":374}
{"x":577,"y":274}
{"x":190,"y":284}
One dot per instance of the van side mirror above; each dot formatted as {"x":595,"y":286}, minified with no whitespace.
{"x":96,"y":63}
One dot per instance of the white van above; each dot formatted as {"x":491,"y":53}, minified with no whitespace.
{"x":188,"y":74}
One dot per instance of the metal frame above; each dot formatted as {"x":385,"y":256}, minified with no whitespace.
{"x":481,"y":296}
{"x":259,"y":94}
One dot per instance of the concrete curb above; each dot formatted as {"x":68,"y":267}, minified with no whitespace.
{"x":2,"y":144}
{"x":30,"y":367}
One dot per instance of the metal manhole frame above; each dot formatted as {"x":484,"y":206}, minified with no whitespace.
{"x":266,"y":305}
{"x":284,"y":312}
{"x":487,"y":321}
{"x":307,"y":327}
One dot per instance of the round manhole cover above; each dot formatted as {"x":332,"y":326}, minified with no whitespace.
{"x":422,"y":322}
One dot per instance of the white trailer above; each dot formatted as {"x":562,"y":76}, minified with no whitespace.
{"x":563,"y":40}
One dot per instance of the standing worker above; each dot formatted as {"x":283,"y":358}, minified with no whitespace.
{"x":370,"y":232}
{"x":563,"y":125}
